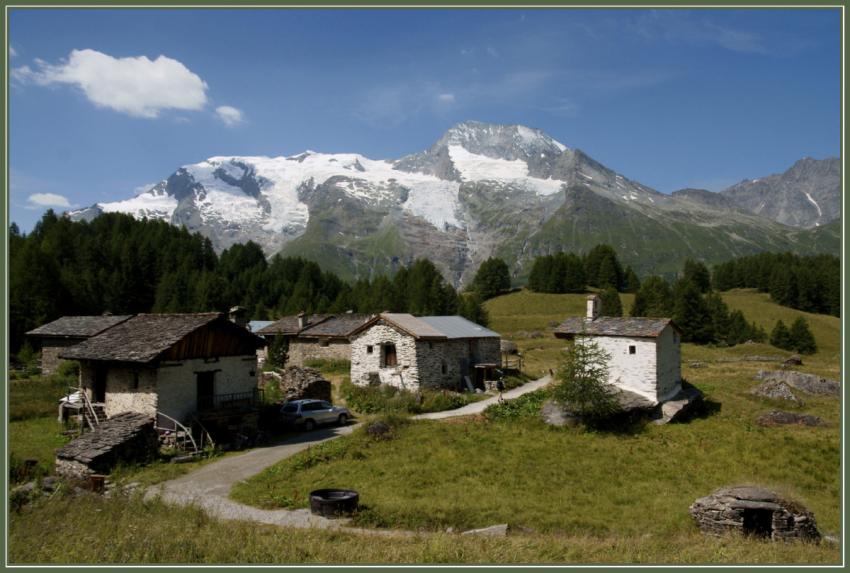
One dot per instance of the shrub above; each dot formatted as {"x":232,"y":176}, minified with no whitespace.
{"x":527,"y":405}
{"x":387,"y":399}
{"x":329,"y":366}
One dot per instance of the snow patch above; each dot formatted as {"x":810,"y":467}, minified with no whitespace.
{"x":474,"y":167}
{"x":813,"y":202}
{"x":150,"y":204}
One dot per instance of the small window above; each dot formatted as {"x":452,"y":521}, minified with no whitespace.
{"x":430,"y":345}
{"x":632,"y":350}
{"x":369,"y":349}
{"x":444,"y":368}
{"x":389,"y":355}
{"x":135,"y":380}
{"x":324,"y":342}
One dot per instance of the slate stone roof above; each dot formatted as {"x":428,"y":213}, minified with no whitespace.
{"x":141,"y":338}
{"x":337,"y":326}
{"x":289,"y":324}
{"x":637,"y":327}
{"x":77,"y":326}
{"x":113,"y":432}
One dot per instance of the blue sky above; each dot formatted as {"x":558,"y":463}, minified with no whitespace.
{"x":103,"y":102}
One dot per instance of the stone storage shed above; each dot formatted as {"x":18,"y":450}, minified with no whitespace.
{"x":128,"y":437}
{"x":55,"y":336}
{"x":411,"y":353}
{"x":645,"y":352}
{"x":174,"y":364}
{"x":755,"y":511}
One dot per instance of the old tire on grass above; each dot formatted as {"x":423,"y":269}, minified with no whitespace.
{"x":333,"y":502}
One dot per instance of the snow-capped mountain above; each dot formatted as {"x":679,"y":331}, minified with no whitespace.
{"x":480,"y":190}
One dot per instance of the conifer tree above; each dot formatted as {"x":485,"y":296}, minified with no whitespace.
{"x":609,"y":301}
{"x":492,"y":278}
{"x":780,"y":336}
{"x":801,"y":337}
{"x":697,"y":273}
{"x":691,"y":313}
{"x":654,"y":298}
{"x":632,"y":281}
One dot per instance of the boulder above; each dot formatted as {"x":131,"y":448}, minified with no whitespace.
{"x":555,"y":415}
{"x":780,"y":418}
{"x":679,"y":405}
{"x":795,"y":360}
{"x":629,"y":401}
{"x":500,"y":530}
{"x":776,"y":390}
{"x":809,"y":383}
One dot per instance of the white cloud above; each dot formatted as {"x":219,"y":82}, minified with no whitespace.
{"x":446,"y":98}
{"x":48,"y":200}
{"x":229,"y":115}
{"x":136,"y":86}
{"x":12,"y":51}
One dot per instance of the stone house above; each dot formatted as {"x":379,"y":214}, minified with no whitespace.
{"x":67,"y":331}
{"x":645,"y":353}
{"x":411,"y":352}
{"x":316,"y":336}
{"x":174,"y":364}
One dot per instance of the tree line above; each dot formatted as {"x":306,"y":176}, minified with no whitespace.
{"x":808,"y":283}
{"x":122,"y":265}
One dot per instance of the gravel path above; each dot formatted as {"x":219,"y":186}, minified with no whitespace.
{"x":208,"y":487}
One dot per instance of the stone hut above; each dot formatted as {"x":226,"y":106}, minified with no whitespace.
{"x":316,"y":336}
{"x":754,"y":511}
{"x":411,"y":352}
{"x":128,"y":437}
{"x":174,"y":364}
{"x":645,"y":352}
{"x":67,"y":331}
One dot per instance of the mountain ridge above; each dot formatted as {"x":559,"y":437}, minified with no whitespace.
{"x":478,"y":191}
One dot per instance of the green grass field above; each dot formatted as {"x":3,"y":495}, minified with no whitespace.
{"x":570,"y":496}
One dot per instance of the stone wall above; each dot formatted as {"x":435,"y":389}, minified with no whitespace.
{"x":304,"y":350}
{"x":633,"y":372}
{"x":669,"y":364}
{"x":50,"y":350}
{"x":364,"y":364}
{"x":177,"y":384}
{"x":130,"y":389}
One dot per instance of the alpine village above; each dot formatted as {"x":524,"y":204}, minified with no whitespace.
{"x":493,"y":351}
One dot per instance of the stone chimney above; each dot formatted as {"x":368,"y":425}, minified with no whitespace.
{"x":239,"y":316}
{"x":302,"y":320}
{"x":594,"y":306}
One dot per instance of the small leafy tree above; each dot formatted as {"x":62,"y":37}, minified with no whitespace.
{"x":802,"y":338}
{"x":583,"y":387}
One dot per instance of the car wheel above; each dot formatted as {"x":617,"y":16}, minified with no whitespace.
{"x":343,"y":419}
{"x":309,"y":425}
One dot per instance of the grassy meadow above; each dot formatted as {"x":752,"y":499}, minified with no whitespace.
{"x":569,"y":496}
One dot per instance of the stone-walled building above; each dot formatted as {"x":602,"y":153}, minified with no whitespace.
{"x":411,"y":352}
{"x":645,"y":353}
{"x":316,"y":336}
{"x":174,"y":364}
{"x":67,"y":331}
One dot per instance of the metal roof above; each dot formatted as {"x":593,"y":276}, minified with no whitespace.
{"x":413,"y":325}
{"x":458,"y":327}
{"x":255,"y":325}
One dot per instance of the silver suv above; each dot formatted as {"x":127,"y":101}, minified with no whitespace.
{"x":308,"y":414}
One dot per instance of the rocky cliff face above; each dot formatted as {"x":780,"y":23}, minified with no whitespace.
{"x":481,"y":190}
{"x":807,"y":195}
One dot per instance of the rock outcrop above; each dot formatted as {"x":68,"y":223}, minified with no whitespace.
{"x":297,"y":383}
{"x":809,"y":383}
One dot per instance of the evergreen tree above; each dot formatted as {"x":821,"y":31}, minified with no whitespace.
{"x":801,"y":337}
{"x":492,"y":279}
{"x":697,"y":273}
{"x":691,"y":313}
{"x":278,"y":352}
{"x":594,"y":260}
{"x":471,"y":308}
{"x":783,"y":286}
{"x":780,"y":336}
{"x":720,"y":319}
{"x":608,"y":275}
{"x":632,"y":281}
{"x":609,"y":301}
{"x":654,"y":298}
{"x":582,"y":386}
